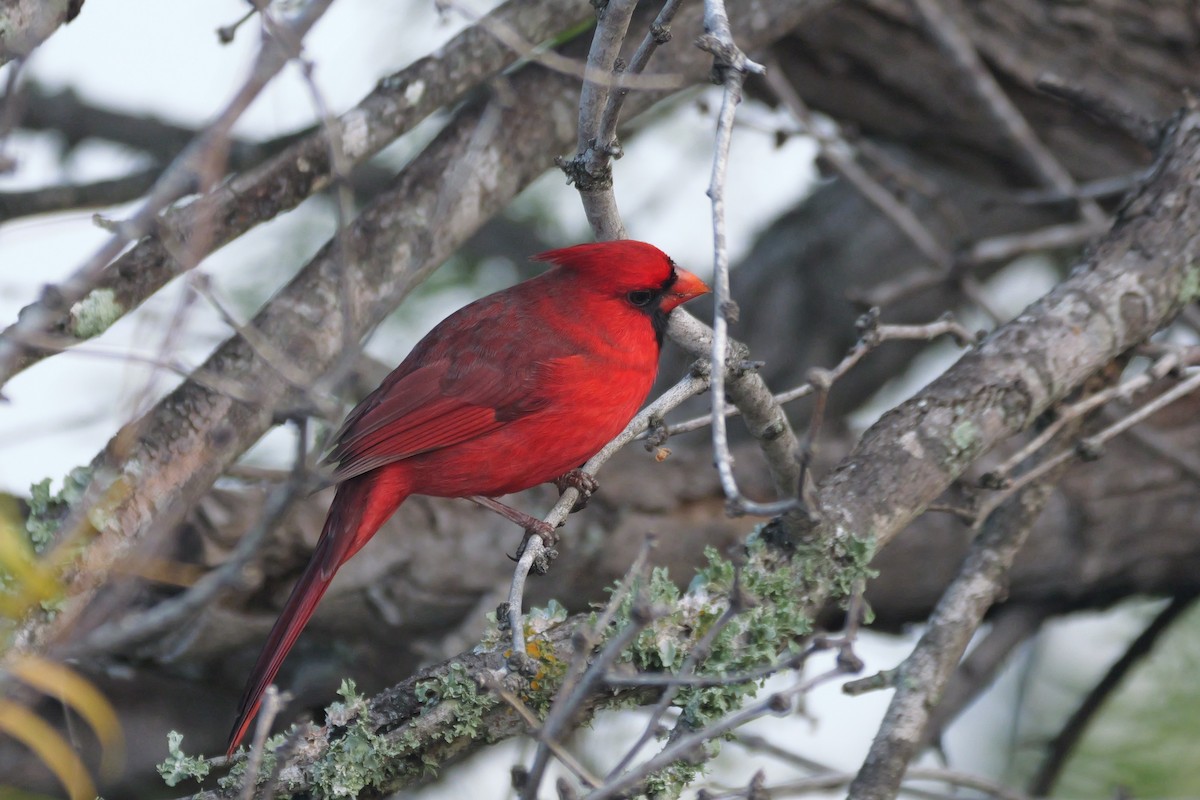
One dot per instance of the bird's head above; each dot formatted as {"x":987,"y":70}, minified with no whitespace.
{"x":637,"y":274}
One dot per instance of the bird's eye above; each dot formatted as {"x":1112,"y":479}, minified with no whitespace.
{"x":640,"y":297}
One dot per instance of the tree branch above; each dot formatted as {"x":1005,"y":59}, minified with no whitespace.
{"x":923,"y":675}
{"x":396,"y":104}
{"x":28,"y":23}
{"x":1134,"y":282}
{"x":198,"y":166}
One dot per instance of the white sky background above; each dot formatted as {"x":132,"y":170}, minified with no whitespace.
{"x":151,"y":56}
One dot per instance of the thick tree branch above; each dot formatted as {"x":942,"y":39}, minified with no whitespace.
{"x":396,"y":104}
{"x":1135,"y":281}
{"x":1010,"y":627}
{"x":24,"y":24}
{"x":922,"y":677}
{"x":197,"y":167}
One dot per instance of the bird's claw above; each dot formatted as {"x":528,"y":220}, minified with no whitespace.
{"x":544,"y":531}
{"x":581,"y":482}
{"x":541,"y":562}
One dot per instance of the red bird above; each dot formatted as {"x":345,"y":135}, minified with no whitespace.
{"x":516,"y":389}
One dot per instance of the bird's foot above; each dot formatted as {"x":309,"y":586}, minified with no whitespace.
{"x":580,"y":481}
{"x":543,"y":530}
{"x":545,"y":556}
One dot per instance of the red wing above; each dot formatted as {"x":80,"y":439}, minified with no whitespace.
{"x":434,"y":406}
{"x":480,"y":368}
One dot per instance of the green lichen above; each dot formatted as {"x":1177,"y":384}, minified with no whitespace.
{"x":540,"y":620}
{"x":359,"y":757}
{"x":1189,"y":290}
{"x":837,"y":565}
{"x":964,"y":441}
{"x":179,"y":766}
{"x":95,"y":314}
{"x":457,"y":687}
{"x":47,"y":509}
{"x":852,"y":555}
{"x":669,"y":783}
{"x":29,"y":583}
{"x":542,"y":687}
{"x":779,"y":581}
{"x":236,"y":777}
{"x":353,"y":762}
{"x":773,"y":624}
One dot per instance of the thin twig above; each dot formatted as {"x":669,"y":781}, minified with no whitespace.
{"x":1002,"y":247}
{"x":340,"y":167}
{"x":599,"y":112}
{"x":777,"y":703}
{"x":566,"y":705}
{"x":580,"y":676}
{"x":193,"y":164}
{"x":606,"y":130}
{"x":226,"y":33}
{"x":1124,"y":390}
{"x":1162,"y":445}
{"x":1006,"y":247}
{"x":695,"y":681}
{"x":267,"y":351}
{"x":10,"y":111}
{"x":607,"y":39}
{"x":871,"y":335}
{"x":697,"y":654}
{"x":828,"y":781}
{"x":689,"y":386}
{"x":60,"y":197}
{"x":733,"y":65}
{"x":939,"y":17}
{"x":837,"y":151}
{"x":1091,"y":446}
{"x":272,"y":703}
{"x":511,"y":38}
{"x":533,"y":723}
{"x":1146,"y":132}
{"x":838,"y":154}
{"x":592,"y":177}
{"x":1096,"y":190}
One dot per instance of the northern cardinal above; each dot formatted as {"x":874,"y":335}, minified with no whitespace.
{"x":516,"y":389}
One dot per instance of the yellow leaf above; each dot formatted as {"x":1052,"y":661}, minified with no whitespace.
{"x":35,"y":733}
{"x":10,"y":793}
{"x":33,"y":581}
{"x":75,"y":691}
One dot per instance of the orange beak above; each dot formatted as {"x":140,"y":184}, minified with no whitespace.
{"x":686,"y":287}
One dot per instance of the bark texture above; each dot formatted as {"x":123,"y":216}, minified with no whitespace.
{"x":1120,"y":526}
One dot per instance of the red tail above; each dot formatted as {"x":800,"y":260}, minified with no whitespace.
{"x":359,"y":508}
